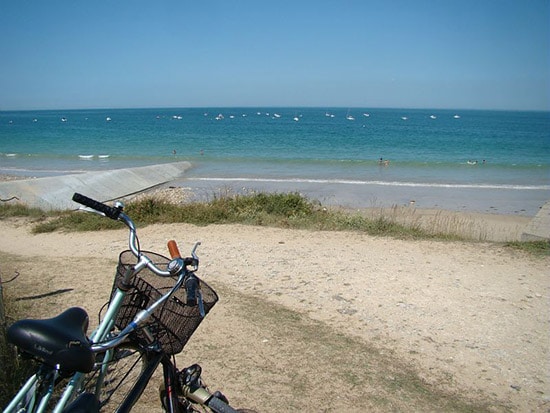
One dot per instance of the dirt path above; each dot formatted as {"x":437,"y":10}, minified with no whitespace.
{"x":352,"y":321}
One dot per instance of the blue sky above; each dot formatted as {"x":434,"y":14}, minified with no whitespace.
{"x":480,"y":54}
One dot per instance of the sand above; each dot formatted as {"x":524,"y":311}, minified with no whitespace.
{"x":469,"y":319}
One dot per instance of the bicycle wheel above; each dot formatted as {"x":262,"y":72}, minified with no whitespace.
{"x":120,"y":375}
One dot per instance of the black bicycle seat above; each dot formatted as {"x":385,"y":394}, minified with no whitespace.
{"x":56,"y":341}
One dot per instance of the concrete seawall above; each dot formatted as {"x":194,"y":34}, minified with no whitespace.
{"x":51,"y":193}
{"x":539,"y":227}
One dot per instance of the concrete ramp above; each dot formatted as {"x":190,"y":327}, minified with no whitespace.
{"x":56,"y":192}
{"x":539,"y":227}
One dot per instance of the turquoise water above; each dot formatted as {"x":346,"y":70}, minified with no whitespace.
{"x":284,"y":144}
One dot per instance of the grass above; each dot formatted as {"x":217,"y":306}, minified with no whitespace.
{"x":539,"y":248}
{"x":21,"y":210}
{"x":284,"y":210}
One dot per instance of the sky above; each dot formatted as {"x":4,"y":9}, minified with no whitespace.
{"x":462,"y":54}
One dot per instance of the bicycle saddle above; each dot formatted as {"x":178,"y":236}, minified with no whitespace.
{"x":60,"y":340}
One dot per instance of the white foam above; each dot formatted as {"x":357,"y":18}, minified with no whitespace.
{"x":380,"y":183}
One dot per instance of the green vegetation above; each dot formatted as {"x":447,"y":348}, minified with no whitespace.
{"x":284,"y":210}
{"x":532,"y":247}
{"x":19,"y":210}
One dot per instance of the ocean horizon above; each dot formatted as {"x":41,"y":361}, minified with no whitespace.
{"x":364,"y":155}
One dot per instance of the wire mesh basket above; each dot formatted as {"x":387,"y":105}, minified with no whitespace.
{"x":173,"y":323}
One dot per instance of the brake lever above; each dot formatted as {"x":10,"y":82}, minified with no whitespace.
{"x":195,"y":256}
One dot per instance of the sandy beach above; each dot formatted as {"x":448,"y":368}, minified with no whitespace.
{"x":469,"y":319}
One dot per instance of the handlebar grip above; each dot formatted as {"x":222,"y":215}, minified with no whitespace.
{"x":219,"y":406}
{"x":173,"y":248}
{"x":109,"y":212}
{"x":191,"y":287}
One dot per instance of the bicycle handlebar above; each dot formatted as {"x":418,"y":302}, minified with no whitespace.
{"x":108,"y":211}
{"x":116,"y":214}
{"x":176,"y":267}
{"x":173,"y":248}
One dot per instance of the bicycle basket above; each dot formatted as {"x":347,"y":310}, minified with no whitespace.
{"x":173,"y":323}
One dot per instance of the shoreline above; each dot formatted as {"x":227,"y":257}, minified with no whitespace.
{"x":499,"y":201}
{"x":436,"y":210}
{"x":467,"y":224}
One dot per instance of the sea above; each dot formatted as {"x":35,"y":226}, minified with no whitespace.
{"x":475,"y":160}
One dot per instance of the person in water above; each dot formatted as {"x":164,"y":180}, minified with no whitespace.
{"x":383,"y":162}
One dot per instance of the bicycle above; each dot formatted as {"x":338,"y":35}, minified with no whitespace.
{"x":155,"y":306}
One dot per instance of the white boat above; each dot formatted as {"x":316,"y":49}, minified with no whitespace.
{"x":404,"y":117}
{"x":366,"y":115}
{"x":433,"y":117}
{"x":108,"y":119}
{"x":63,"y":119}
{"x":456,"y":116}
{"x":276,"y":115}
{"x":349,"y":117}
{"x":296,"y":118}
